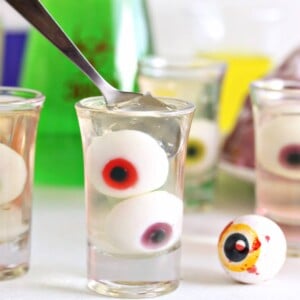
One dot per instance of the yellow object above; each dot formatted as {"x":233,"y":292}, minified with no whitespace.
{"x":252,"y":250}
{"x":196,"y":151}
{"x":242,"y":70}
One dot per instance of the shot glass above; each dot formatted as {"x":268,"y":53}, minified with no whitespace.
{"x":134,"y":157}
{"x":198,"y":81}
{"x":276,"y":109}
{"x":19,"y":115}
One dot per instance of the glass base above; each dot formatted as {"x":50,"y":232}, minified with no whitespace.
{"x":132,"y":289}
{"x":11,"y":272}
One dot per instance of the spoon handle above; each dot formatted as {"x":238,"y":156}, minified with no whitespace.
{"x":36,"y":14}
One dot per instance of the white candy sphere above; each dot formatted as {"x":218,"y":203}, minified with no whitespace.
{"x":126,"y":163}
{"x":13,"y":174}
{"x":203,"y":146}
{"x":278,"y":146}
{"x":145,"y":224}
{"x":252,"y":249}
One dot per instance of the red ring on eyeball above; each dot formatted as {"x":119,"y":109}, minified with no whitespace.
{"x":120,"y":174}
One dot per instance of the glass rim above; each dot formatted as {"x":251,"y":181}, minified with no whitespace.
{"x":162,"y":66}
{"x":183,"y":107}
{"x":23,"y":96}
{"x":276,"y":85}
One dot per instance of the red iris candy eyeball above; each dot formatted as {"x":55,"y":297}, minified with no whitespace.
{"x":144,"y":224}
{"x":120,"y":173}
{"x":125,"y":163}
{"x":277,"y":145}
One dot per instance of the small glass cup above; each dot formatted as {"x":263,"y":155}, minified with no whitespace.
{"x":276,"y":109}
{"x":134,"y":157}
{"x":19,"y":115}
{"x":198,"y":81}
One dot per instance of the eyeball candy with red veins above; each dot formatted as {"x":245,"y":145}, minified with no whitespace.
{"x":13,"y":174}
{"x":126,"y":163}
{"x":148,"y":223}
{"x":203,"y":146}
{"x":252,"y":249}
{"x":278,"y":146}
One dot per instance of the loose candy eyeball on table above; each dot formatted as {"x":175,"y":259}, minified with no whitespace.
{"x":252,"y":249}
{"x":125,"y":163}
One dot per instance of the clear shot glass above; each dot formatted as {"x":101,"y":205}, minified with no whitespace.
{"x":276,"y":109}
{"x":19,"y":115}
{"x":134,"y":157}
{"x":198,"y":81}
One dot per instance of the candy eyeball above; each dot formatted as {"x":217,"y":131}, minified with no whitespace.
{"x":252,"y":249}
{"x":278,"y":146}
{"x":203,"y":146}
{"x":13,"y":174}
{"x":126,"y":163}
{"x":145,"y":224}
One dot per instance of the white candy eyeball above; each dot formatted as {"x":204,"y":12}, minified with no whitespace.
{"x":126,"y":163}
{"x":278,"y":146}
{"x":13,"y":174}
{"x":203,"y":146}
{"x":11,"y":225}
{"x":144,"y":224}
{"x":252,"y":249}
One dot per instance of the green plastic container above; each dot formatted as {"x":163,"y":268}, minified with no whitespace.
{"x":112,"y":34}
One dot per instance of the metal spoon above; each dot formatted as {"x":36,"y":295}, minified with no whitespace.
{"x":36,"y":14}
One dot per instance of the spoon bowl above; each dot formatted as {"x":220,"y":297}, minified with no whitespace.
{"x":36,"y":14}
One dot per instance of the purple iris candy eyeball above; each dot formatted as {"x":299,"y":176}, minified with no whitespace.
{"x":13,"y":172}
{"x":278,"y":147}
{"x":252,"y":249}
{"x":126,"y":163}
{"x":157,"y":235}
{"x":289,"y":156}
{"x":144,"y":224}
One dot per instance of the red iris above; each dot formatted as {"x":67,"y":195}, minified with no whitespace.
{"x":289,"y":156}
{"x":120,"y":174}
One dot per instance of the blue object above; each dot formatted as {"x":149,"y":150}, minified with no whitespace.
{"x":14,"y":47}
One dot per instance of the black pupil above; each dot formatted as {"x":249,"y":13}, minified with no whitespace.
{"x":192,"y":151}
{"x":231,"y":251}
{"x":157,"y":236}
{"x":293,"y":158}
{"x":118,"y":174}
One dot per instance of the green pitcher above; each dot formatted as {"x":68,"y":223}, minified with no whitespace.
{"x":112,"y":34}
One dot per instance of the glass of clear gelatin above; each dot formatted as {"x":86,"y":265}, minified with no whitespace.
{"x":19,"y":116}
{"x":134,"y":157}
{"x":276,"y":108}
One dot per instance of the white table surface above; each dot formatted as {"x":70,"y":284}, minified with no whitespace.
{"x":59,"y":251}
